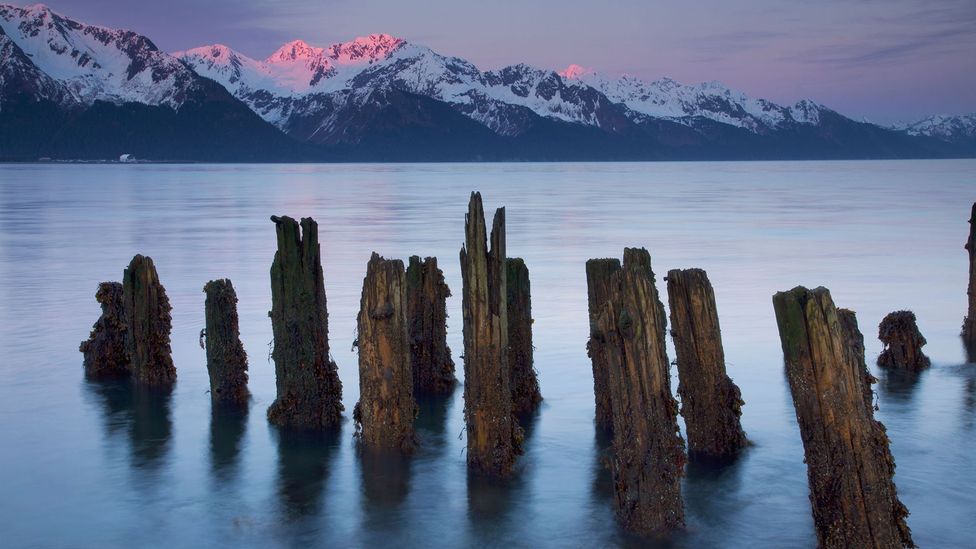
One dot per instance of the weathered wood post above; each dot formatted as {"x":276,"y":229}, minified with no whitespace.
{"x":711,"y":403}
{"x":427,"y":293}
{"x":307,"y":379}
{"x":148,"y":318}
{"x":525,"y":384}
{"x":226,"y":359}
{"x":854,"y":343}
{"x":849,"y":465}
{"x":598,"y":273}
{"x":494,"y":436}
{"x":648,"y":452}
{"x":104,"y":350}
{"x":386,"y":409}
{"x":969,"y":323}
{"x":903,"y":343}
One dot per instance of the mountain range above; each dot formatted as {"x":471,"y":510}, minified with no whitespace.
{"x":70,"y":90}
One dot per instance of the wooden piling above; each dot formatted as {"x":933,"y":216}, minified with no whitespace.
{"x":903,"y":343}
{"x":849,"y":465}
{"x":226,"y":359}
{"x":307,"y":379}
{"x":854,"y":343}
{"x":598,"y":273}
{"x":969,"y":323}
{"x":386,"y":409}
{"x":526,"y":396}
{"x":494,"y":436}
{"x":648,"y":452}
{"x":104,"y":350}
{"x":427,"y":293}
{"x":149,"y":321}
{"x":711,"y":403}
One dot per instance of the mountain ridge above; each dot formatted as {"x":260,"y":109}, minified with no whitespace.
{"x":355,"y":99}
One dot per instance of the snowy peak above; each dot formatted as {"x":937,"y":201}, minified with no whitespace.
{"x":296,"y":50}
{"x":95,"y":63}
{"x":575,"y":72}
{"x":946,"y":128}
{"x":365,"y":49}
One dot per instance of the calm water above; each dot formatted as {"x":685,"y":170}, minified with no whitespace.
{"x":84,"y":464}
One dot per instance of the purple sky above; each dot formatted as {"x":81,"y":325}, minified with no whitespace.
{"x":885,"y":60}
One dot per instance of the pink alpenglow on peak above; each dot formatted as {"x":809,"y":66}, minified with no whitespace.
{"x":575,"y":72}
{"x":365,"y":49}
{"x":294,"y":51}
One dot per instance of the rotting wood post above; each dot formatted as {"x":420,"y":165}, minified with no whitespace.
{"x":711,"y":403}
{"x":598,"y":273}
{"x":307,"y":379}
{"x":226,"y":359}
{"x":149,"y":322}
{"x":849,"y":465}
{"x":903,"y":343}
{"x":427,"y":293}
{"x":969,"y":323}
{"x":526,"y":396}
{"x":648,"y":452}
{"x":104,"y":350}
{"x":386,"y":409}
{"x":854,"y":343}
{"x":494,"y":436}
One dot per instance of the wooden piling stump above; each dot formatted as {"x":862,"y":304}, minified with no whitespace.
{"x":598,"y":273}
{"x":969,"y":323}
{"x":854,"y":343}
{"x":903,"y":343}
{"x":104,"y":350}
{"x":526,"y":396}
{"x":711,"y":403}
{"x":307,"y":379}
{"x":427,"y":293}
{"x":226,"y":359}
{"x":149,"y":321}
{"x":386,"y":409}
{"x":494,"y":436}
{"x":849,"y":465}
{"x":648,"y":452}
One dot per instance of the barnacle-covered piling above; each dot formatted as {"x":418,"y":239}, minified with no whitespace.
{"x":149,"y":322}
{"x":226,"y":359}
{"x":711,"y":403}
{"x":598,"y":273}
{"x":849,"y":466}
{"x":307,"y":379}
{"x":903,"y":343}
{"x":104,"y":350}
{"x":386,"y":409}
{"x":526,"y":396}
{"x":427,"y":293}
{"x":648,"y":452}
{"x":494,"y":436}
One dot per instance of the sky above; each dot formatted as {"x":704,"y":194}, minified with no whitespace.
{"x":880,"y":60}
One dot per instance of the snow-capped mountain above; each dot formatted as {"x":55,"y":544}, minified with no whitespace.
{"x":96,"y":63}
{"x":70,"y":88}
{"x":293,"y":79}
{"x":671,"y":100}
{"x":946,"y":128}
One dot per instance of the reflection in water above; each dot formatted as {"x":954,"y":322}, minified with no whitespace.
{"x":144,"y":412}
{"x":228,"y":423}
{"x":970,"y":349}
{"x":899,"y":385}
{"x":303,"y":466}
{"x":491,"y":501}
{"x":712,"y":489}
{"x":386,"y":483}
{"x":601,"y":484}
{"x":431,"y":423}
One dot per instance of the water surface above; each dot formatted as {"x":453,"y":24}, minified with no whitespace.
{"x":87,"y":464}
